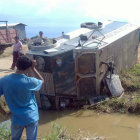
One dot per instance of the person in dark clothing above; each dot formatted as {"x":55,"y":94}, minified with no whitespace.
{"x":17,"y":48}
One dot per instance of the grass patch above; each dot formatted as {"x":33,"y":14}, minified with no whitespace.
{"x":131,"y":79}
{"x":5,"y":132}
{"x":112,"y":105}
{"x":130,"y":102}
{"x":58,"y":132}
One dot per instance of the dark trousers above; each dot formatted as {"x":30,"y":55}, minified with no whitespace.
{"x":15,"y":57}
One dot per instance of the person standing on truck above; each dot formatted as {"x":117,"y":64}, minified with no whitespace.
{"x":41,"y":34}
{"x":45,"y":41}
{"x":18,"y":90}
{"x":17,"y":51}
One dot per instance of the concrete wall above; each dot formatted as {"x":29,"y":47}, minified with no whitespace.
{"x":20,"y":31}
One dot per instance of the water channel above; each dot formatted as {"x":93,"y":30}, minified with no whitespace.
{"x":114,"y":126}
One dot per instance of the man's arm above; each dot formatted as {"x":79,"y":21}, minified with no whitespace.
{"x":37,"y":74}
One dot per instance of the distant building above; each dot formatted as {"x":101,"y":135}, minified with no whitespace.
{"x":20,"y":27}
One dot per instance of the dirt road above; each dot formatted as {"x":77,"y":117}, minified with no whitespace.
{"x":6,"y":61}
{"x":5,"y":64}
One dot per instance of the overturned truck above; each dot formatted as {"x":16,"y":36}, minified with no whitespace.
{"x":75,"y":68}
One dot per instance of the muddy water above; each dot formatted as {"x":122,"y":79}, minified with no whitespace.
{"x":114,"y":126}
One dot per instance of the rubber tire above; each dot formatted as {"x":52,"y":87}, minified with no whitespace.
{"x":89,"y":25}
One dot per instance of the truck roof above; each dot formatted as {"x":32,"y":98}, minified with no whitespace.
{"x":109,"y":33}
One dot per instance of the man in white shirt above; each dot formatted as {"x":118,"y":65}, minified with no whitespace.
{"x":17,"y":47}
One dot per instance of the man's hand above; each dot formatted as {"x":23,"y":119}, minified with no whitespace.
{"x":37,"y":74}
{"x":33,"y":64}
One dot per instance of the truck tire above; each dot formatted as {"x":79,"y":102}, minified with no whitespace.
{"x":89,"y":25}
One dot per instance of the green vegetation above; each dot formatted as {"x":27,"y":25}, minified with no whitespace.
{"x":130,"y":102}
{"x":56,"y":133}
{"x":131,"y":79}
{"x":59,"y":133}
{"x":5,"y":132}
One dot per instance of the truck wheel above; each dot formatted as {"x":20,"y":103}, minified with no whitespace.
{"x":90,"y":25}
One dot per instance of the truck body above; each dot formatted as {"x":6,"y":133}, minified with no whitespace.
{"x":74,"y":70}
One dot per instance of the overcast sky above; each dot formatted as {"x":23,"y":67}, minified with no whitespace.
{"x":49,"y":10}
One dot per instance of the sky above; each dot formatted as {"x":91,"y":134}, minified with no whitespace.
{"x":68,"y":12}
{"x":69,"y":9}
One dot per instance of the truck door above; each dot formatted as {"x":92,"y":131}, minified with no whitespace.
{"x":85,"y":74}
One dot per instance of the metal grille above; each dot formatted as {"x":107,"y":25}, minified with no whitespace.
{"x":48,"y":86}
{"x":49,"y":83}
{"x":86,"y":87}
{"x":86,"y":64}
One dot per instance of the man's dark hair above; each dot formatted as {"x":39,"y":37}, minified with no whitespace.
{"x":16,"y":37}
{"x":23,"y":63}
{"x":40,"y":32}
